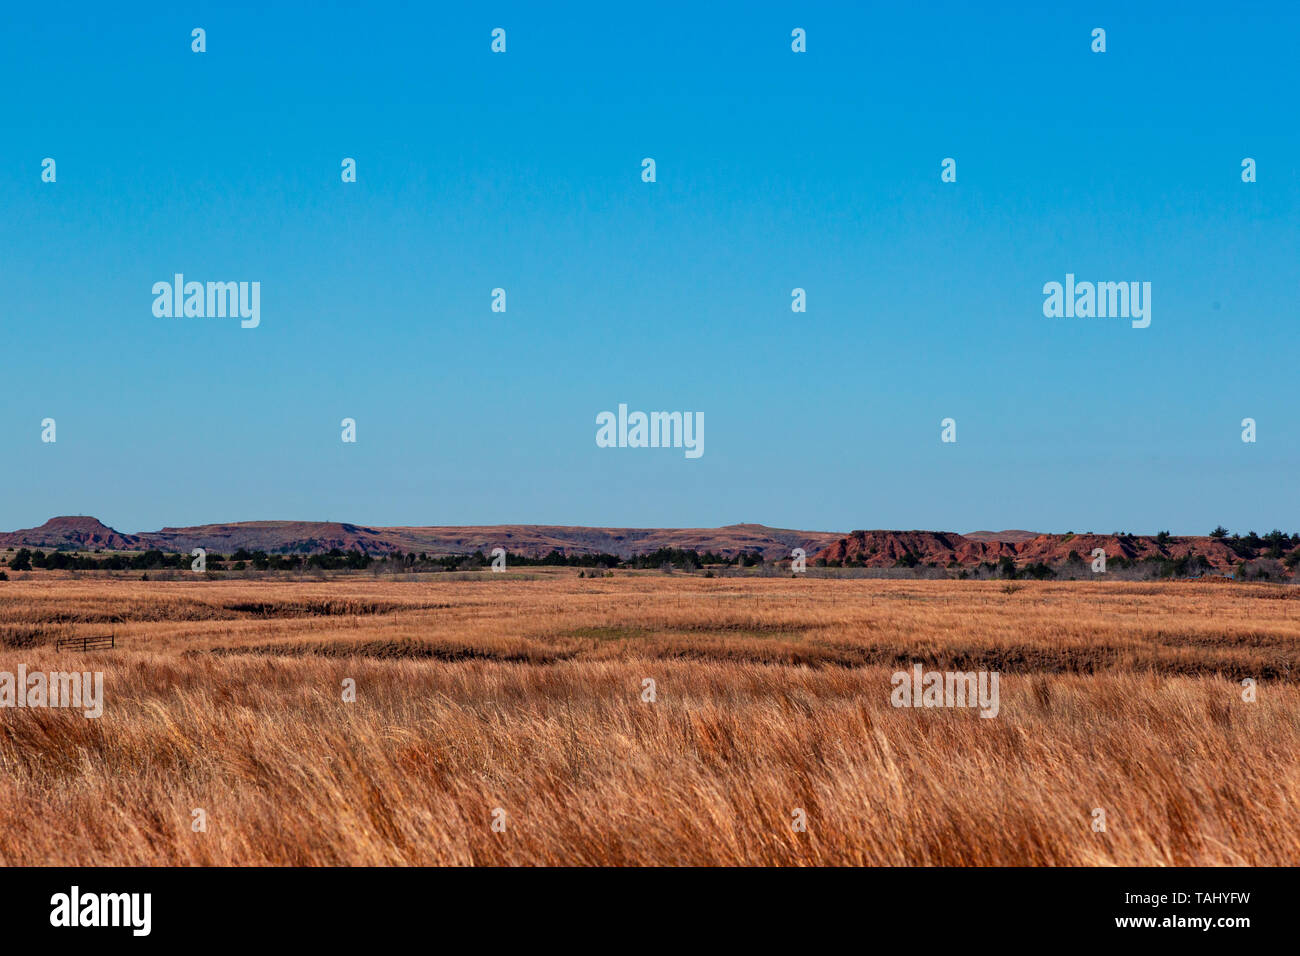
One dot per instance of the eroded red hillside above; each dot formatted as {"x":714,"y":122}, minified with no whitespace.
{"x":889,"y":548}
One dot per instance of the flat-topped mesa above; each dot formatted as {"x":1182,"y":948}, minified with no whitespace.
{"x":71,"y":531}
{"x":291,"y":537}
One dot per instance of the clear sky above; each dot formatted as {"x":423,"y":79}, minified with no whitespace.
{"x":775,"y":170}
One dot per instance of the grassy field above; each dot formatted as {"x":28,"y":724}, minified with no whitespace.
{"x":524,"y":694}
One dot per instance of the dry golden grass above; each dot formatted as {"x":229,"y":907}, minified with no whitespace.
{"x":773,"y":694}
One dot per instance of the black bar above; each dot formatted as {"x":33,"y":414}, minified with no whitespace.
{"x":665,"y":906}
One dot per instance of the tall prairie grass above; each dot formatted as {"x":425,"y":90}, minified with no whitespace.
{"x":772,"y":696}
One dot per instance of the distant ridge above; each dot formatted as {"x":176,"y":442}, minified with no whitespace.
{"x":313,"y":537}
{"x":872,"y":549}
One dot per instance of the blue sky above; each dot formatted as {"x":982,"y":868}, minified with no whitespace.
{"x":775,"y":170}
